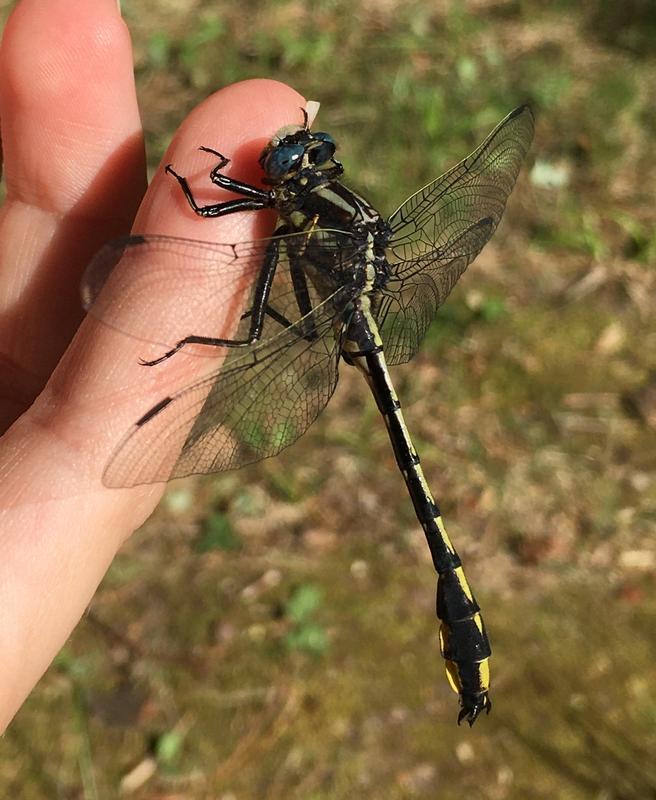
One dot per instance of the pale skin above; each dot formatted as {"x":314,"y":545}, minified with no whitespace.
{"x":74,"y":171}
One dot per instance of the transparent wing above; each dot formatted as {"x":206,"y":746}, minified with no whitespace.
{"x":408,"y":306}
{"x":253,"y":406}
{"x":161,"y":289}
{"x":441,"y":229}
{"x":262,"y":396}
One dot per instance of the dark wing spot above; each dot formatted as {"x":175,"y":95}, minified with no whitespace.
{"x":153,"y":411}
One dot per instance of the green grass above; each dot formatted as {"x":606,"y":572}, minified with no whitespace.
{"x":270,"y":633}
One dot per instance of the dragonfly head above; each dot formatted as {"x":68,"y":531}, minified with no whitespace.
{"x":295,"y":148}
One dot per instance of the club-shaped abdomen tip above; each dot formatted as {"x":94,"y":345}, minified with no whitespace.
{"x":472,"y":707}
{"x":471,"y":682}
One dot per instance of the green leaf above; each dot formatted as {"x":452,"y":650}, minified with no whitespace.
{"x":159,"y":49}
{"x":217,"y":534}
{"x":303,"y":603}
{"x":169,"y":747}
{"x":492,"y":309}
{"x":208,"y":32}
{"x":309,"y":637}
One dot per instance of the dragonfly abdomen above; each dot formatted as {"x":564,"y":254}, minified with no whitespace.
{"x":463,"y":641}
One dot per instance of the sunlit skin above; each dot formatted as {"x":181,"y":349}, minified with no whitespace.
{"x":74,"y":171}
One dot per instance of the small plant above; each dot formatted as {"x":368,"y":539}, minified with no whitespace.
{"x":305,"y":633}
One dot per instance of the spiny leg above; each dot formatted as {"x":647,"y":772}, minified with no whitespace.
{"x":299,"y":283}
{"x":301,"y":292}
{"x":302,"y":295}
{"x":270,"y":312}
{"x":225,"y":182}
{"x":260,"y":298}
{"x":276,"y":316}
{"x":255,"y":199}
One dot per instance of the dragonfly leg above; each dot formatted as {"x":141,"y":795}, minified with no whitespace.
{"x":302,"y":295}
{"x":223,"y":160}
{"x":231,"y":184}
{"x":250,"y":203}
{"x":282,"y":321}
{"x":276,"y":316}
{"x":211,"y":341}
{"x":299,"y":283}
{"x":257,"y":312}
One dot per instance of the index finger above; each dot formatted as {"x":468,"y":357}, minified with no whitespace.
{"x":61,"y":526}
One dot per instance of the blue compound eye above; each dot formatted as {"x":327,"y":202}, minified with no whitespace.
{"x":323,"y":152}
{"x":282,"y":159}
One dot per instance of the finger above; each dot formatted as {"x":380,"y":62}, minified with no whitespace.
{"x":74,"y":171}
{"x":64,"y":441}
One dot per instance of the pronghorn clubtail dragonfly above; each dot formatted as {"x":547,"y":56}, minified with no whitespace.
{"x":336,"y":282}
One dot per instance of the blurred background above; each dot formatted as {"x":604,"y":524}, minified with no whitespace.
{"x":270,"y":633}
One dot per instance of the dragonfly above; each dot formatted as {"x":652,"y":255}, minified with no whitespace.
{"x":336,"y":282}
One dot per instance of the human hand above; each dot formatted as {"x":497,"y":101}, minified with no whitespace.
{"x":69,"y":388}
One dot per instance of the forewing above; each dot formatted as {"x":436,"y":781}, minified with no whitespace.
{"x":162,"y":289}
{"x":441,"y":229}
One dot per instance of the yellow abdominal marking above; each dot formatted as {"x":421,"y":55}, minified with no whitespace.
{"x":447,"y":542}
{"x":460,"y":575}
{"x":453,"y":677}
